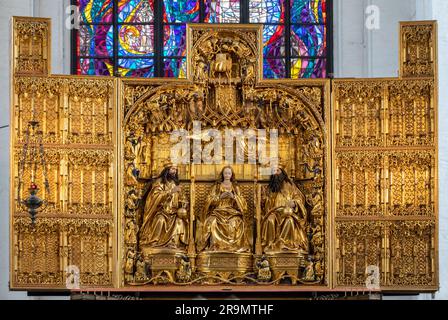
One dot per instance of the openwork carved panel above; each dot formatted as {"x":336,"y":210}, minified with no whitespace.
{"x":359,"y":190}
{"x":76,"y":116}
{"x":404,"y":252}
{"x":418,"y":49}
{"x":410,"y":116}
{"x":412,"y":254}
{"x":358,"y":245}
{"x":385,"y":178}
{"x":384,"y":113}
{"x":31,"y":43}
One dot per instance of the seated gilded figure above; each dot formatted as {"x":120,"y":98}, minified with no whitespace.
{"x":165,"y":222}
{"x":224,"y":229}
{"x":283,"y":227}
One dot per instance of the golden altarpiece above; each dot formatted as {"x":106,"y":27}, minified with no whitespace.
{"x":358,"y":161}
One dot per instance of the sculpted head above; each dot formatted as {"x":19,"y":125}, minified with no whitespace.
{"x":278,"y":178}
{"x":227,"y":174}
{"x":170,"y":174}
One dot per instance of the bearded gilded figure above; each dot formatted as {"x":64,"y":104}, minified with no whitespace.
{"x":224,"y":229}
{"x":283,"y":226}
{"x":165,"y":222}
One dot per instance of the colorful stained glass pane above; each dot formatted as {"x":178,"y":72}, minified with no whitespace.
{"x":175,"y":68}
{"x":222,"y":11}
{"x":308,"y":68}
{"x":175,"y":11}
{"x":136,"y":67}
{"x":308,"y":41}
{"x":135,"y":40}
{"x":265,"y":11}
{"x":274,"y":41}
{"x":135,"y":18}
{"x":86,"y":45}
{"x":308,"y":11}
{"x":135,"y":11}
{"x":95,"y":40}
{"x":174,"y":40}
{"x":95,"y":67}
{"x":274,"y":68}
{"x":95,"y":11}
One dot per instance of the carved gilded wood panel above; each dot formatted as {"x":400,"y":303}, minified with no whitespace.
{"x":385,"y":181}
{"x":76,"y":227}
{"x":364,"y":175}
{"x":31,"y":46}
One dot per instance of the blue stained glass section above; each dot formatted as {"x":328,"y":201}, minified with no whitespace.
{"x":176,"y":11}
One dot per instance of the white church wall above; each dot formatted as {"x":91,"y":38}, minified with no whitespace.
{"x":366,"y":36}
{"x":440,"y":9}
{"x":53,"y":9}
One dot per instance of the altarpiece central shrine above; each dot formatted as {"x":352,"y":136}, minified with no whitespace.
{"x":352,"y":197}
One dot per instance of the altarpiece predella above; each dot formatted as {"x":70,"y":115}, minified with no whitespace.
{"x":302,"y":184}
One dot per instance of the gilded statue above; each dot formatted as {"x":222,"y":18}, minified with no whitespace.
{"x":283,"y":226}
{"x":264,"y":270}
{"x":131,"y":232}
{"x":140,"y":269}
{"x":308,"y":273}
{"x":129,"y":264}
{"x":222,"y":64}
{"x":224,"y":229}
{"x":165,"y":224}
{"x":183,"y":273}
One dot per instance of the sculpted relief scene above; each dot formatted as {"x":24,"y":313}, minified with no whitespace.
{"x":224,"y":175}
{"x":223,"y":178}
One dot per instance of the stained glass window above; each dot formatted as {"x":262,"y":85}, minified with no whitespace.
{"x":222,"y":11}
{"x":147,"y":38}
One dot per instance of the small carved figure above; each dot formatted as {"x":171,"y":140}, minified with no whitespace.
{"x":183,"y":274}
{"x":131,"y":232}
{"x":132,"y":202}
{"x":129,"y":266}
{"x":222,"y":64}
{"x":200,"y":69}
{"x":264,"y":270}
{"x":317,"y":238}
{"x":308,"y":273}
{"x":250,"y":73}
{"x":140,"y":269}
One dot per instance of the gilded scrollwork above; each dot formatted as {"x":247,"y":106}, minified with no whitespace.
{"x":43,"y":252}
{"x":31,"y":46}
{"x":385,"y":170}
{"x":412,"y":254}
{"x":418,"y":49}
{"x":76,"y":226}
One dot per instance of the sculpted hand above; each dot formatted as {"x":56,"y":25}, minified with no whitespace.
{"x":226,"y":195}
{"x":291,"y":204}
{"x":175,"y":189}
